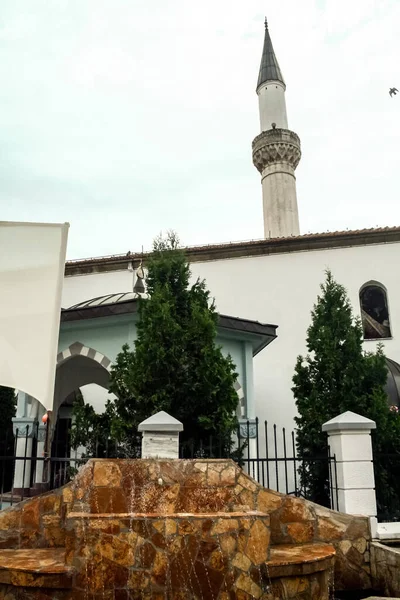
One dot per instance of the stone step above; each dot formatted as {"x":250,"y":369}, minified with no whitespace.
{"x":43,"y":568}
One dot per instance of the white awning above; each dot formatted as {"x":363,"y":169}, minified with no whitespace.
{"x":32,"y":260}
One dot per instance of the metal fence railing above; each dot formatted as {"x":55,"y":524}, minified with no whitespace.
{"x":271,"y":458}
{"x":267,"y":453}
{"x":387,"y":486}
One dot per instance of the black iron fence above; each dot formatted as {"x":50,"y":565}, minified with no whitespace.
{"x":387,"y":486}
{"x":7,"y":452}
{"x":271,"y":458}
{"x":265,"y":452}
{"x":269,"y":455}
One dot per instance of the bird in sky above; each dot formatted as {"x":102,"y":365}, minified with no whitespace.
{"x":393,"y":91}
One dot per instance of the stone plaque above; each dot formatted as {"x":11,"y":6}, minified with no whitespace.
{"x":163,"y":444}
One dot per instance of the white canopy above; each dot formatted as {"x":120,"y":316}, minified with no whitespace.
{"x":32,"y":259}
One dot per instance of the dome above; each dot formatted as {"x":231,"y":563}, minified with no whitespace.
{"x":393,"y":382}
{"x":108,"y":299}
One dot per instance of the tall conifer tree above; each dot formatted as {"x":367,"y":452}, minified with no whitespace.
{"x":336,"y":376}
{"x":175,"y":364}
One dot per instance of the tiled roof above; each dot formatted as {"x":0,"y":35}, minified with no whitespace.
{"x":304,"y":237}
{"x":293,"y":243}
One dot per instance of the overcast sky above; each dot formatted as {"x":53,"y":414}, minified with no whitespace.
{"x":127,"y":117}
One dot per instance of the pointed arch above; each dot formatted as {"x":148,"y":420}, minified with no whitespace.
{"x":78,"y":349}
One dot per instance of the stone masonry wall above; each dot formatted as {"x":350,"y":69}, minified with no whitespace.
{"x":193,"y":487}
{"x":34,"y":523}
{"x":385,"y":566}
{"x":191,"y":556}
{"x":297,"y":521}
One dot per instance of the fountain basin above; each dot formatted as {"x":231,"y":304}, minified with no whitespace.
{"x":296,"y":572}
{"x":288,"y":560}
{"x":197,"y":555}
{"x":43,"y":568}
{"x":183,"y":529}
{"x":39,"y":574}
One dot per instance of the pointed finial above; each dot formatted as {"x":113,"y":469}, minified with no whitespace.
{"x":139,"y":287}
{"x":266,"y":23}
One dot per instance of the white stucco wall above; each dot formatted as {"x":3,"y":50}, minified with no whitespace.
{"x":272,"y":105}
{"x":279,"y":289}
{"x":84,"y":287}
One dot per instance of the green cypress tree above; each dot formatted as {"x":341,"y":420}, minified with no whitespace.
{"x":336,"y":376}
{"x":175,"y":365}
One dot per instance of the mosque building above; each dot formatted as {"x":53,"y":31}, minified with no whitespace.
{"x":264,"y":289}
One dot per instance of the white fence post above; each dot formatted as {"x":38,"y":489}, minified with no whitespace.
{"x":160,"y":438}
{"x":349,"y":439}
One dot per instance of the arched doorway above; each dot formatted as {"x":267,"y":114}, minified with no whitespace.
{"x":78,"y":367}
{"x":76,"y":371}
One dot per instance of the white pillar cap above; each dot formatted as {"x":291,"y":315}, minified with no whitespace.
{"x":161,"y":421}
{"x":349,"y":421}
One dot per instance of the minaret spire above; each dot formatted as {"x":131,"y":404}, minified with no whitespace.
{"x":269,"y":67}
{"x":276,"y":151}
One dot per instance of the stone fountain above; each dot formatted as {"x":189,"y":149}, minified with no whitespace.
{"x":169,"y":529}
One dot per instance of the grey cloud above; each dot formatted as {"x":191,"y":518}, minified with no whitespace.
{"x":127,"y":117}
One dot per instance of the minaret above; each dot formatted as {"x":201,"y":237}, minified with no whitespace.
{"x":276,"y":151}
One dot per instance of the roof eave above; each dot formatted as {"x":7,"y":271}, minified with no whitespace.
{"x":306,"y":242}
{"x":95,"y":312}
{"x":261,"y":334}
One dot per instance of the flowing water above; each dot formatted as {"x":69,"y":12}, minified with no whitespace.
{"x":201,"y":554}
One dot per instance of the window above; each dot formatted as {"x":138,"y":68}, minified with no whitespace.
{"x":374,"y":312}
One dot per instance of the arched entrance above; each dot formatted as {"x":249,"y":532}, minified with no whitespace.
{"x":77,"y":366}
{"x":75,"y":371}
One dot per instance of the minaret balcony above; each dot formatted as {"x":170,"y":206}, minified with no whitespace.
{"x":276,"y":145}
